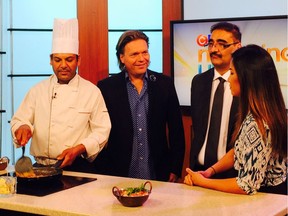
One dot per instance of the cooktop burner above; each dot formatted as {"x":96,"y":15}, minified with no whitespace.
{"x":63,"y":183}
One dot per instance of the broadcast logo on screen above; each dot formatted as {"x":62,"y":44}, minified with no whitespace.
{"x":203,"y":40}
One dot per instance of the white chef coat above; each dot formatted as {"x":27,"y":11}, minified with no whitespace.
{"x":62,"y":116}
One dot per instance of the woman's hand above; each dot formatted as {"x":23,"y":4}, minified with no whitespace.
{"x":208,"y":172}
{"x":188,"y":179}
{"x":194,"y":178}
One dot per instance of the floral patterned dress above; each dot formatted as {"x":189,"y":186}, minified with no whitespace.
{"x":253,"y":158}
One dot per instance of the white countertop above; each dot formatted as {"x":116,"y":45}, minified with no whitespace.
{"x":96,"y":198}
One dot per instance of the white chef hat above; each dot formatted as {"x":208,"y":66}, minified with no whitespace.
{"x":65,"y":36}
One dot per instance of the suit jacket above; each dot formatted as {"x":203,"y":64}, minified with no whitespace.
{"x":200,"y":102}
{"x":164,"y":113}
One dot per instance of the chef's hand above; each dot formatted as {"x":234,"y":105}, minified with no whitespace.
{"x":23,"y":134}
{"x":173,"y":178}
{"x":69,"y":155}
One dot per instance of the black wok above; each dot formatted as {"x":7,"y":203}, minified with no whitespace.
{"x":43,"y":175}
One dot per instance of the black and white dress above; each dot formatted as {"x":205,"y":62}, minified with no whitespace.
{"x":256,"y":165}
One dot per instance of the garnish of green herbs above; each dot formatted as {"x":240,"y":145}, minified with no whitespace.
{"x":131,"y":190}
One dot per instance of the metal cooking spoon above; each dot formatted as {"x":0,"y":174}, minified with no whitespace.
{"x":23,"y":164}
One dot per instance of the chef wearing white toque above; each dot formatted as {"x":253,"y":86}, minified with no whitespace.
{"x":65,"y":36}
{"x":65,"y":115}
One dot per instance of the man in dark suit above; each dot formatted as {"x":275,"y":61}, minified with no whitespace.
{"x":147,"y":137}
{"x":225,"y":39}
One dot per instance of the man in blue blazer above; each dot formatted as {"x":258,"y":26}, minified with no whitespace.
{"x":147,"y":137}
{"x":225,"y":39}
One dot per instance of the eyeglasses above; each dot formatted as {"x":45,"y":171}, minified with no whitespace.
{"x":220,"y":45}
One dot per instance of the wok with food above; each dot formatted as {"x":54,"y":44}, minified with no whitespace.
{"x":133,"y":196}
{"x":40,"y":174}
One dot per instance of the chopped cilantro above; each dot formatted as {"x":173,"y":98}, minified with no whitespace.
{"x":131,"y":190}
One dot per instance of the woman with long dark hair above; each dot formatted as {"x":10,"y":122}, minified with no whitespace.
{"x":260,"y":137}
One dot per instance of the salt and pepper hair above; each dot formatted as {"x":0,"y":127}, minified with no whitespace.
{"x":229,"y":27}
{"x":260,"y":94}
{"x":125,"y":38}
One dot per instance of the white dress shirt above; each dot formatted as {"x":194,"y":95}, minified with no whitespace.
{"x":227,"y":102}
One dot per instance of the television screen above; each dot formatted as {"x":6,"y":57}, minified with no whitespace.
{"x":190,"y":57}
